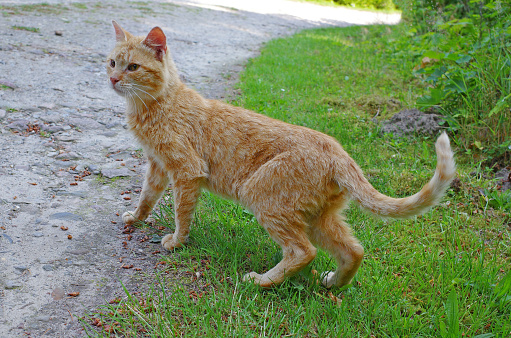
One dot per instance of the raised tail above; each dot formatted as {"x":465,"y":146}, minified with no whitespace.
{"x":369,"y":198}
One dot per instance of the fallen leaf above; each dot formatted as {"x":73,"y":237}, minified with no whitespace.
{"x":73,"y":294}
{"x":335,"y":299}
{"x":69,"y":237}
{"x":32,"y":183}
{"x":97,"y":322}
{"x":127,"y":198}
{"x":63,"y":228}
{"x":73,"y":183}
{"x":127,"y":266}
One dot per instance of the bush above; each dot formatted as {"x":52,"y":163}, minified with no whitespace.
{"x":373,"y":4}
{"x":466,"y":60}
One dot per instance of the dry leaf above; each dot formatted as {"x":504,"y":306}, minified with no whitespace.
{"x":63,"y":228}
{"x":335,"y":299}
{"x":69,"y":237}
{"x":73,"y":294}
{"x":96,"y":322}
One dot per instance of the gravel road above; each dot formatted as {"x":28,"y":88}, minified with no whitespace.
{"x":68,"y":167}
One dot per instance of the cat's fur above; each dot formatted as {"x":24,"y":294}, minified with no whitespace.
{"x":295,"y":180}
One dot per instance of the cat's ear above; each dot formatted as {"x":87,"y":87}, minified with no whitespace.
{"x":157,"y":41}
{"x":120,"y":34}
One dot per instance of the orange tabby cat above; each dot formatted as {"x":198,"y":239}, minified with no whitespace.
{"x":295,"y":180}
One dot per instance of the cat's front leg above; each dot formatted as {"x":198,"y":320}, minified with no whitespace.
{"x":155,"y":183}
{"x":186,"y":194}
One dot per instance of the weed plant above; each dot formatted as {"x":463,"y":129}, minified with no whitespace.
{"x":444,"y":274}
{"x":465,"y":58}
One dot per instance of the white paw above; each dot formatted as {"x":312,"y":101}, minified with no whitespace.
{"x":261,"y":280}
{"x":128,"y":218}
{"x":328,"y":279}
{"x":169,"y":243}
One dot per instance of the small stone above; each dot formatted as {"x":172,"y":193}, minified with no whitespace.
{"x":81,"y":194}
{"x":2,"y":113}
{"x":58,"y":293}
{"x":58,"y":33}
{"x":85,"y":123}
{"x":42,"y":318}
{"x":54,"y":129}
{"x":52,"y":117}
{"x":12,"y":284}
{"x":67,"y":138}
{"x":71,"y":155}
{"x":111,"y":173}
{"x":38,"y":234}
{"x":47,"y":267}
{"x":20,"y":267}
{"x":67,"y":216}
{"x":19,"y":125}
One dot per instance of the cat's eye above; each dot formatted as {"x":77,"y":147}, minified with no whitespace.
{"x":112,"y":63}
{"x":133,"y":67}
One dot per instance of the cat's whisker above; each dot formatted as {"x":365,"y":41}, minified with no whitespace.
{"x":143,"y":91}
{"x":140,"y":85}
{"x":133,"y":102}
{"x":134,"y":92}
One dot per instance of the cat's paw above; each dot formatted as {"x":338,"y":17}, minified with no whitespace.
{"x":261,"y":280}
{"x":169,"y":243}
{"x":128,"y":218}
{"x":328,"y":279}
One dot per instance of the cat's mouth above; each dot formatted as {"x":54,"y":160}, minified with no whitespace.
{"x":118,"y":89}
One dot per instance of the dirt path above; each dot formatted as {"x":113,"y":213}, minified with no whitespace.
{"x":67,"y":164}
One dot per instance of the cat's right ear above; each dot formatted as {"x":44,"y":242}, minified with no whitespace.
{"x":120,"y":34}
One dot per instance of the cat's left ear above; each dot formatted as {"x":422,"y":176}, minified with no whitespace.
{"x":120,"y":34}
{"x":157,"y":41}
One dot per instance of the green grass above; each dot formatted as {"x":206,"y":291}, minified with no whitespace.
{"x":25,"y":28}
{"x":353,"y":5}
{"x":444,"y":274}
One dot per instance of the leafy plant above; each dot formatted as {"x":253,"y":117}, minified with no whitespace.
{"x":465,"y":58}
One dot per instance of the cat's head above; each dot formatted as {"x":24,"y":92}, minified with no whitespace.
{"x":139,"y":68}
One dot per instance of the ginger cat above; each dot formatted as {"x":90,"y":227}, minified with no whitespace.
{"x":295,"y":180}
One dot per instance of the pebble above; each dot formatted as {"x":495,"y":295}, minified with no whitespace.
{"x":111,"y":173}
{"x":67,"y":216}
{"x":71,"y":155}
{"x":81,"y":194}
{"x":2,"y":113}
{"x":20,"y":267}
{"x":11,"y":284}
{"x":42,"y":318}
{"x":38,"y":234}
{"x":58,"y":293}
{"x":19,"y":125}
{"x":47,"y":267}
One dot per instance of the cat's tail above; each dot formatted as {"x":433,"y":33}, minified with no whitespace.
{"x":369,"y":198}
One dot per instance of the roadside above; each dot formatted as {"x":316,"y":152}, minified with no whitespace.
{"x":67,"y":165}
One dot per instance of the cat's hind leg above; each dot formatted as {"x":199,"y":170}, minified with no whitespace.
{"x":331,"y":233}
{"x":288,"y":231}
{"x":155,"y":183}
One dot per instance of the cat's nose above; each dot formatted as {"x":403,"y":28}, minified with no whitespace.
{"x":114,"y":80}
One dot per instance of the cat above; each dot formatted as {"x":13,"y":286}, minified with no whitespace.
{"x":293,"y":179}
